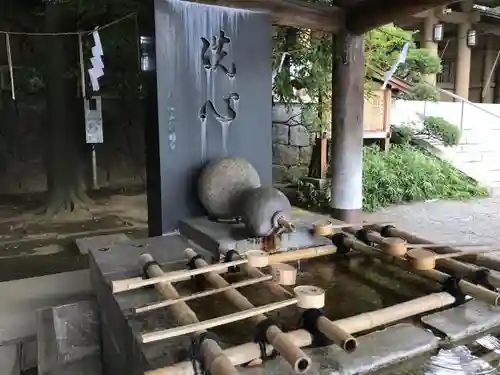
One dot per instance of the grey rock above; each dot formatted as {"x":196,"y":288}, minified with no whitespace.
{"x":305,"y":154}
{"x":285,"y":155}
{"x":282,"y":114}
{"x":279,"y":173}
{"x":281,"y":133}
{"x":299,"y":136}
{"x":297,"y":172}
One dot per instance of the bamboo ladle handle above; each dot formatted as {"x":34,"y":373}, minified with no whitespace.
{"x":396,"y":246}
{"x":421,"y":259}
{"x":328,"y":227}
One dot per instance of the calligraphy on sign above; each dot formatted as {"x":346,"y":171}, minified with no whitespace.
{"x":212,"y":54}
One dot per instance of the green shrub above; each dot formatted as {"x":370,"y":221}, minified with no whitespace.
{"x":442,"y":130}
{"x":407,"y":174}
{"x":404,"y":174}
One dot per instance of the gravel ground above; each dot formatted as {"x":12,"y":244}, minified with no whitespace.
{"x":447,"y":221}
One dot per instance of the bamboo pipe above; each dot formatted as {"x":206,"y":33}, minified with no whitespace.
{"x":399,"y":247}
{"x":299,"y":361}
{"x":363,"y":322}
{"x":476,"y":291}
{"x":118,"y":286}
{"x":215,"y":322}
{"x":328,"y":227}
{"x":479,"y":261}
{"x":286,"y":224}
{"x":451,"y":265}
{"x":422,"y":259}
{"x":214,"y":358}
{"x":206,"y":293}
{"x":301,"y":254}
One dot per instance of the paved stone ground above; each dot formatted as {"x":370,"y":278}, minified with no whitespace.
{"x":447,"y":221}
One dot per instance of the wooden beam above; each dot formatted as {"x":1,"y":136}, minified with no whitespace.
{"x":296,"y":13}
{"x":375,"y":13}
{"x":488,"y":29}
{"x":453,"y":17}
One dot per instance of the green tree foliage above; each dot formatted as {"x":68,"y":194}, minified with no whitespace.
{"x":119,"y":42}
{"x":309,"y":65}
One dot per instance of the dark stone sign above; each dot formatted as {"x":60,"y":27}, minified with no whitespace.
{"x":214,"y":96}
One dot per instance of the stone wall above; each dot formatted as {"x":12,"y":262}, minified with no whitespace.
{"x":121,"y":158}
{"x":291,"y":144}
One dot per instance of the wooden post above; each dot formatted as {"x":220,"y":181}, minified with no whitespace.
{"x":428,"y":40}
{"x":462,"y":74}
{"x":324,"y":155}
{"x":387,"y":118}
{"x":347,"y":127}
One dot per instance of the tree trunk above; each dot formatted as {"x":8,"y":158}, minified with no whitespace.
{"x":64,"y":126}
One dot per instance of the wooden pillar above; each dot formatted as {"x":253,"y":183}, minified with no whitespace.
{"x":462,"y":75}
{"x":347,"y":126}
{"x":428,"y":40}
{"x":489,"y":55}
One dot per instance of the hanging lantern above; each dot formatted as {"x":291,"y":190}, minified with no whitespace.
{"x":148,"y":61}
{"x":471,"y":38}
{"x":437,"y":32}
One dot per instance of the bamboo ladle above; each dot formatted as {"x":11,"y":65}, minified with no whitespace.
{"x":398,"y":247}
{"x":421,"y":259}
{"x":327,"y":227}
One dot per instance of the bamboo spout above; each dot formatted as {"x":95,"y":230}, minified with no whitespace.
{"x":488,"y":262}
{"x":337,"y":334}
{"x":466,"y":287}
{"x":450,"y":265}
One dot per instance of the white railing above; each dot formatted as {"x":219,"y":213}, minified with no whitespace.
{"x":465,"y":101}
{"x":478,"y":151}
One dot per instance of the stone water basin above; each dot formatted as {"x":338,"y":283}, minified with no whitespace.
{"x":354,"y":286}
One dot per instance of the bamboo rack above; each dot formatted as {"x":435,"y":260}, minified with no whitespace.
{"x":475,"y":291}
{"x":215,"y":360}
{"x":215,"y":322}
{"x":118,"y":286}
{"x":245,"y":353}
{"x":452,"y":265}
{"x":410,"y":238}
{"x":123,"y":285}
{"x":334,"y":333}
{"x":206,"y":293}
{"x":299,"y":361}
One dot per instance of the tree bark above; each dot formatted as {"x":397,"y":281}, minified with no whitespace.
{"x":64,"y":126}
